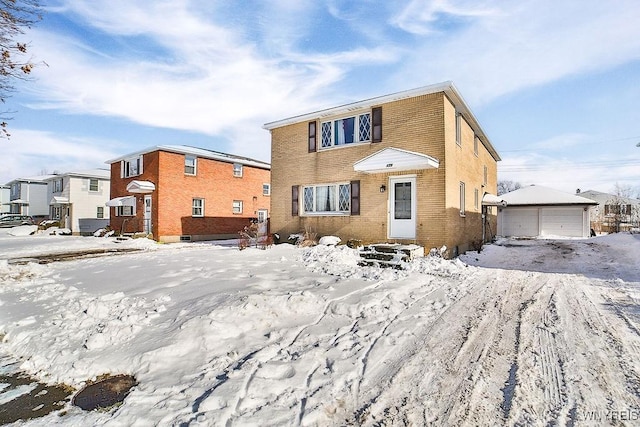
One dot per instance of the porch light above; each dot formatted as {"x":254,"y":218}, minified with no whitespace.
{"x":383,"y":188}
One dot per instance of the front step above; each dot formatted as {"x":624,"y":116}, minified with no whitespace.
{"x":389,"y":255}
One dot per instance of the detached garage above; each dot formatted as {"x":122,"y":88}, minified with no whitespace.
{"x":536,"y":211}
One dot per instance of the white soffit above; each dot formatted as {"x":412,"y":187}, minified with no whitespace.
{"x":395,"y":160}
{"x":122,"y":201}
{"x":141,"y":187}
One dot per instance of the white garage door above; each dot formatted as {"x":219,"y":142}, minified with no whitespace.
{"x":518,"y":222}
{"x":566,"y":222}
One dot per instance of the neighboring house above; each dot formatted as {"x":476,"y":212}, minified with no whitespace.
{"x":410,"y":167}
{"x":536,"y":211}
{"x":4,"y":199}
{"x":182,"y":193}
{"x":614,"y":213}
{"x":28,"y":196}
{"x":77,"y":200}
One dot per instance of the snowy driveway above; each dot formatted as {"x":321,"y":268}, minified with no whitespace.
{"x":526,"y":332}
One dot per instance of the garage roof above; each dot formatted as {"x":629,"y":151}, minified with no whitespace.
{"x":537,"y":195}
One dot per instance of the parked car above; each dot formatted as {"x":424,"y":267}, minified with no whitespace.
{"x":14,"y":220}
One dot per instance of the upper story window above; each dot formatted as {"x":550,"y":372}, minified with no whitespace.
{"x":15,"y":190}
{"x":93,"y":184}
{"x":131,"y":167}
{"x":458,"y":128}
{"x":475,"y":145}
{"x":190,"y":163}
{"x":237,"y":169}
{"x":347,"y":130}
{"x":332,"y":198}
{"x":57,"y":185}
{"x":266,"y":189}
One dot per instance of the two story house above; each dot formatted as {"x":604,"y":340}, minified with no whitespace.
{"x":409,"y":167}
{"x":181,"y":193}
{"x":77,"y":200}
{"x":614,"y":213}
{"x":28,"y":196}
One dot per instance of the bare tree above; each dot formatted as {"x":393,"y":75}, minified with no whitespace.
{"x":620,"y":210}
{"x":15,"y":64}
{"x":507,"y":186}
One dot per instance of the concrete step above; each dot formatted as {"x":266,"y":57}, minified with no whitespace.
{"x":389,"y":254}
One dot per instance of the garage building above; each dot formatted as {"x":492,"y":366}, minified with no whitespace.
{"x":537,"y":211}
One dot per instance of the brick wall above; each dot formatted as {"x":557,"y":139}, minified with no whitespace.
{"x":421,"y":124}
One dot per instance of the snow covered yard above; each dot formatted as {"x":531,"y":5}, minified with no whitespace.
{"x":532,"y":332}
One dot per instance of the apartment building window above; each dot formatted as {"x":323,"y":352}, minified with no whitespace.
{"x":131,"y":167}
{"x":197,"y":207}
{"x":237,"y":169}
{"x":266,"y":189}
{"x":485,"y":175}
{"x":458,"y":128}
{"x":57,"y":185}
{"x":332,"y":198}
{"x":237,"y":207}
{"x":462,"y":197}
{"x":125,"y":211}
{"x":475,"y":145}
{"x":346,"y":130}
{"x":476,"y":199}
{"x":190,"y":163}
{"x":93,"y":184}
{"x":100,"y":212}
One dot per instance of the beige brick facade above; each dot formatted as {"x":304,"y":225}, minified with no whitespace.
{"x":424,"y":123}
{"x":172,"y":200}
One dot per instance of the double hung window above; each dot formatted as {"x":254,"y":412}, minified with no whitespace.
{"x":93,"y":184}
{"x":190,"y":163}
{"x":197,"y":207}
{"x":131,"y":167}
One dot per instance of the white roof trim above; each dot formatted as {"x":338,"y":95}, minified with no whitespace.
{"x":141,"y":187}
{"x":122,"y":201}
{"x":395,"y":160}
{"x":17,"y":202}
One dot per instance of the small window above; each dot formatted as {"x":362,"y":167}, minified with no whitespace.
{"x":197,"y":208}
{"x":458,"y":128}
{"x":475,"y":145}
{"x":125,"y":211}
{"x":237,"y":169}
{"x":237,"y":206}
{"x":486,"y":175}
{"x":266,"y":189}
{"x":57,"y":185}
{"x":190,"y":163}
{"x":462,"y":196}
{"x":93,"y":184}
{"x":476,"y":199}
{"x":100,"y":212}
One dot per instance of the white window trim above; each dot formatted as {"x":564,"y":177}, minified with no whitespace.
{"x":193,"y":207}
{"x":462,"y":199}
{"x":458,"y":128}
{"x":100,"y":212}
{"x":266,"y":186}
{"x":97,"y":185}
{"x":239,"y":171}
{"x":124,"y":162}
{"x":356,"y":127}
{"x":346,"y":212}
{"x":233,"y":207}
{"x":195,"y":165}
{"x":119,"y":210}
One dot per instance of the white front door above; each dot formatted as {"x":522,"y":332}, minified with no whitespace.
{"x":147,"y":214}
{"x":402,"y":207}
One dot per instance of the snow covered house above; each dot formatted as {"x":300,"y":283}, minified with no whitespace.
{"x":77,"y":200}
{"x":536,"y":211}
{"x":28,"y":196}
{"x":409,"y":167}
{"x":181,"y":193}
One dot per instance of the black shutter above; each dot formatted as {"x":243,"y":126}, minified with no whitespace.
{"x":355,"y":197}
{"x":294,"y":200}
{"x":312,"y":137}
{"x":377,"y":124}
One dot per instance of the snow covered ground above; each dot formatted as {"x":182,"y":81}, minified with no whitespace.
{"x":527,"y":332}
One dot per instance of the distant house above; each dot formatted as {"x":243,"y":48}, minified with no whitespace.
{"x":409,"y":167}
{"x":28,"y":196}
{"x":77,"y":200}
{"x":182,"y":193}
{"x":614,"y":213}
{"x":5,"y":193}
{"x":535,"y":211}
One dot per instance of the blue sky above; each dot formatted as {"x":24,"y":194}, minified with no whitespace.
{"x":555,"y":85}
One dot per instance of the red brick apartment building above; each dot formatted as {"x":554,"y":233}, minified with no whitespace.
{"x":181,"y":193}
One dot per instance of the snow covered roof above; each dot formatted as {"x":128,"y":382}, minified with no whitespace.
{"x":606,"y":198}
{"x":40,"y":179}
{"x":199,"y":152}
{"x":447,"y":87}
{"x":539,"y":195}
